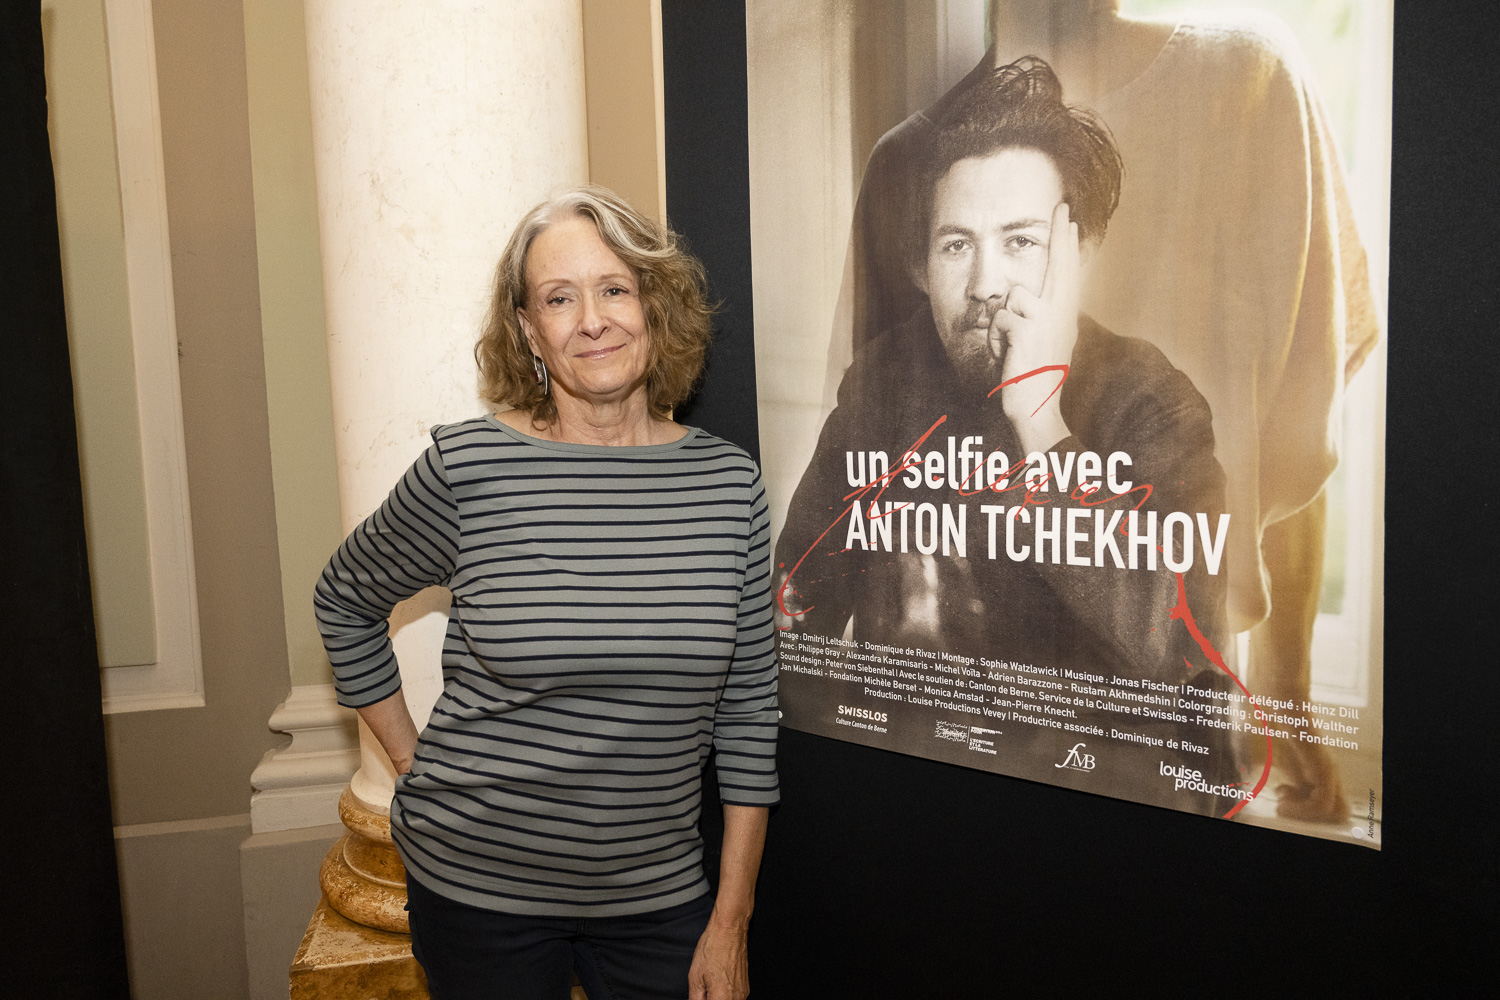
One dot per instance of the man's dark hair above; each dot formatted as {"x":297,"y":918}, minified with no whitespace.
{"x":1021,"y":106}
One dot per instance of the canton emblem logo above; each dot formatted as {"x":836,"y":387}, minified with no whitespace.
{"x":1078,"y":761}
{"x":951,"y":731}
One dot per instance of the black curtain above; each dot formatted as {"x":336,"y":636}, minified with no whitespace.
{"x":891,"y":876}
{"x":62,"y":897}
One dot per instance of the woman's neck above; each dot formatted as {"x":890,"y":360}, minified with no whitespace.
{"x":624,"y":422}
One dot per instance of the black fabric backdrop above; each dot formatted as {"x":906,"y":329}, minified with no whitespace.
{"x":61,"y":898}
{"x":892,"y":876}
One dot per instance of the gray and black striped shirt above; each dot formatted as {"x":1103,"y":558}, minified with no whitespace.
{"x":611,"y":615}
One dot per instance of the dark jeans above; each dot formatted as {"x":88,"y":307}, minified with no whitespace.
{"x":469,"y":953}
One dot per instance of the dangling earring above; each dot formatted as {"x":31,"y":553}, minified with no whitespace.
{"x":539,"y":369}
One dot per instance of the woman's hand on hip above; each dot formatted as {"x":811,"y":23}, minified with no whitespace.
{"x":721,"y":964}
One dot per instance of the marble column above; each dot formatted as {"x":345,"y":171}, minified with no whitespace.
{"x":436,"y":125}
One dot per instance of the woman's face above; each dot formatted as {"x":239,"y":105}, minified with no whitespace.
{"x":584,"y":315}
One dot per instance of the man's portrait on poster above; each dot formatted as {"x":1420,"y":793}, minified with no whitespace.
{"x":1022,"y":542}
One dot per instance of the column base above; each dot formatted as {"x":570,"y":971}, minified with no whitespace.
{"x":298,"y":786}
{"x":362,"y":877}
{"x":342,"y":960}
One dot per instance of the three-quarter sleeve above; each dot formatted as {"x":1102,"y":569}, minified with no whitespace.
{"x":746,"y":722}
{"x":408,"y":544}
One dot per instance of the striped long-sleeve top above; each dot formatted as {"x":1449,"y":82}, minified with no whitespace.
{"x":611,"y":620}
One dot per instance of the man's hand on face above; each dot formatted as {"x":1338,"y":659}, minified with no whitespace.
{"x":1036,"y":331}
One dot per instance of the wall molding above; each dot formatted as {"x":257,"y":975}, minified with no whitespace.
{"x":175,"y":679}
{"x":299,"y":785}
{"x":176,"y":826}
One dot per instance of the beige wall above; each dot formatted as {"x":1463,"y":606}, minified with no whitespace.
{"x":622,"y":56}
{"x":81,"y":126}
{"x":184,"y":914}
{"x":180,"y":777}
{"x":253,"y":362}
{"x":261,"y":473}
{"x":184,"y":764}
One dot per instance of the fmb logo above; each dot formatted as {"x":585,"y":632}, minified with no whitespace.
{"x":1078,"y":761}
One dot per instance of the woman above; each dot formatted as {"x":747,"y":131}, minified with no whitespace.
{"x":611,"y":614}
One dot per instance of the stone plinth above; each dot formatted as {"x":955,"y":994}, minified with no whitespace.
{"x":342,"y":960}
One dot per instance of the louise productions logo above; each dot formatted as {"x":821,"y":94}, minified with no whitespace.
{"x":1192,"y":780}
{"x":1077,"y":761}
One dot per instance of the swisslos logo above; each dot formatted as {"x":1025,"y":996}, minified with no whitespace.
{"x":862,"y":713}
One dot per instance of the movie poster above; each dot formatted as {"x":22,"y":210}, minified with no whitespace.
{"x":1070,"y":360}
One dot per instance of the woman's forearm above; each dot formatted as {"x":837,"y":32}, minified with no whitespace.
{"x":744,"y":840}
{"x":392,"y":725}
{"x":721,"y":964}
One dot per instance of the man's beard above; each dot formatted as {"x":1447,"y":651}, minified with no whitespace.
{"x":975,"y":369}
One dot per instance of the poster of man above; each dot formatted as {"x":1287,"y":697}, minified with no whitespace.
{"x":1061,"y":309}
